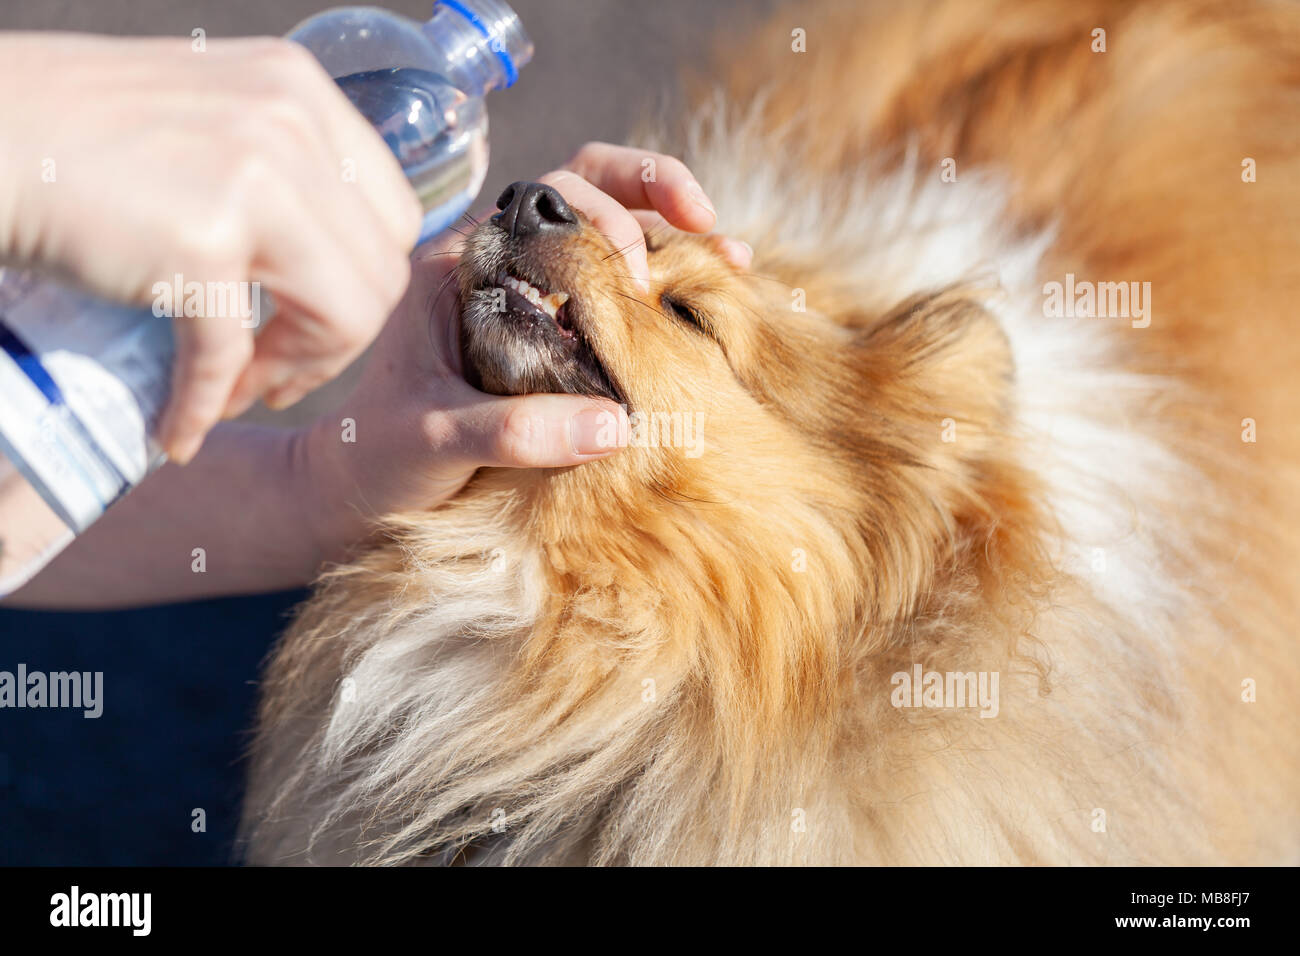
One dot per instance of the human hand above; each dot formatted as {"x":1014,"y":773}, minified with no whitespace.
{"x":420,"y":431}
{"x":125,"y":162}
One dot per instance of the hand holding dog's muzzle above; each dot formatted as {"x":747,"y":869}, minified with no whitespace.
{"x":421,"y":429}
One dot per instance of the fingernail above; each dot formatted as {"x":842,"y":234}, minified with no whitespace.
{"x":696,"y":192}
{"x":596,"y":431}
{"x":183,"y":451}
{"x":280,"y":399}
{"x":737,"y":251}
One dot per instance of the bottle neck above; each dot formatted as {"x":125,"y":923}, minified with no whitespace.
{"x":483,"y":42}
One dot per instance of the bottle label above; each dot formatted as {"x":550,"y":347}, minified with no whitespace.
{"x":81,"y":386}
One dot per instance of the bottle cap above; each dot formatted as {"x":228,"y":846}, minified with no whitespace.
{"x":485,"y":43}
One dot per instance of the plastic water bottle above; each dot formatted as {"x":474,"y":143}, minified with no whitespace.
{"x":83,"y":382}
{"x":421,"y":86}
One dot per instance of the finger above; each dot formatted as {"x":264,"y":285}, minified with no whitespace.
{"x":331,"y":301}
{"x":736,"y":251}
{"x":363,"y":161}
{"x":651,"y":223}
{"x":357,"y":155}
{"x":641,"y":179}
{"x":210,"y":355}
{"x":294,"y":356}
{"x":542,"y":431}
{"x":610,"y":218}
{"x":289,"y":361}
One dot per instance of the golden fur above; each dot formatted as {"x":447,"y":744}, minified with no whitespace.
{"x":661,"y":658}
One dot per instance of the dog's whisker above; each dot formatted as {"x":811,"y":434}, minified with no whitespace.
{"x":634,"y":299}
{"x":625,"y":249}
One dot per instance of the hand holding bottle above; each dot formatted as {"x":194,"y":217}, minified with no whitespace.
{"x":126,"y":162}
{"x":261,"y":161}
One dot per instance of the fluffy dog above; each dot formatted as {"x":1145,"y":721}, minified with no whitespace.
{"x":959,"y":530}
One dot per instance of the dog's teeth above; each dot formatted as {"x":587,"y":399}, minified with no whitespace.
{"x":551,"y":303}
{"x":548,"y":302}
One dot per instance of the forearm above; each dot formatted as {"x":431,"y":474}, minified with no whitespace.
{"x":241,"y":518}
{"x":17,"y":171}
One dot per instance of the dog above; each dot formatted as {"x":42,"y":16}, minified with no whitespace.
{"x":959,"y":529}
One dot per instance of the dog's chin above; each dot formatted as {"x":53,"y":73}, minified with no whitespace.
{"x":517,"y":338}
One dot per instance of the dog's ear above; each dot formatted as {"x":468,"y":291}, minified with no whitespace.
{"x":936,"y":410}
{"x":913,"y":410}
{"x":929,"y":383}
{"x":943,"y":367}
{"x":928,"y":386}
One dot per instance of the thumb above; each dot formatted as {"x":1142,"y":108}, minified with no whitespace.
{"x":210,"y":355}
{"x":544,"y":431}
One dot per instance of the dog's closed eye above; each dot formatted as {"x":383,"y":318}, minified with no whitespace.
{"x":687,"y":314}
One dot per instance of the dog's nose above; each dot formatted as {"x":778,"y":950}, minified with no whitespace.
{"x":529,"y":209}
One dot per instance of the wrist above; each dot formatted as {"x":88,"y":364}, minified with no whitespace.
{"x":326,"y":489}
